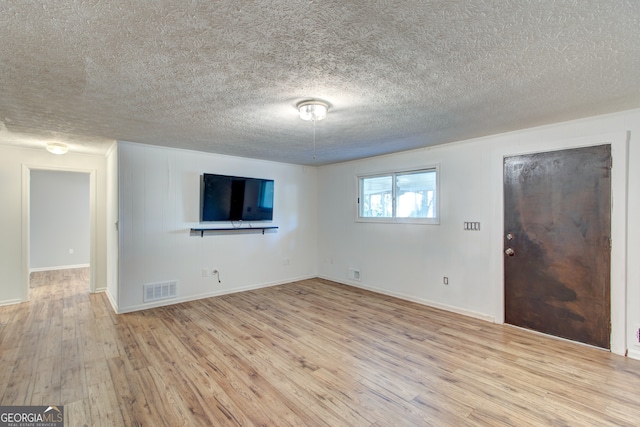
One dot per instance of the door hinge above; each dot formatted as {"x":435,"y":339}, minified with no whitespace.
{"x":610,"y":244}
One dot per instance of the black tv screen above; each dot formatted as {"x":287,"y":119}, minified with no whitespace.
{"x":234,"y":198}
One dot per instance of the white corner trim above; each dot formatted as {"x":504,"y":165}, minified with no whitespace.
{"x":112,"y":300}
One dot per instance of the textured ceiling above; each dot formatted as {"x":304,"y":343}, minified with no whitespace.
{"x":225,"y":76}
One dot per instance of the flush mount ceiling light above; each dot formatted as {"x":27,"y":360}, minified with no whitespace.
{"x":313,"y":110}
{"x":57,"y":148}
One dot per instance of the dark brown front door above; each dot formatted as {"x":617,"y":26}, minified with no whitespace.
{"x":557,"y":222}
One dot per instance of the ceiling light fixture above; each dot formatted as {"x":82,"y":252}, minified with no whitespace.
{"x":314,"y":111}
{"x":57,"y":148}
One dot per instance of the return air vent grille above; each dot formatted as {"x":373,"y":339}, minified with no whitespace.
{"x":160,"y":291}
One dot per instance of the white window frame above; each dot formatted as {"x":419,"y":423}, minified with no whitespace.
{"x":393,"y":219}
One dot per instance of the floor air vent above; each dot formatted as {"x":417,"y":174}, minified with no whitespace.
{"x":160,"y":291}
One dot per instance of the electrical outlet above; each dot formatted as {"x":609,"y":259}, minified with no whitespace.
{"x":71,"y":251}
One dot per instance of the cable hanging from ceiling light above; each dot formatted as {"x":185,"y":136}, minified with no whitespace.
{"x":313,"y":111}
{"x":314,"y":140}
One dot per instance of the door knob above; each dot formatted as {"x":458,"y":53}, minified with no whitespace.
{"x":510,"y":252}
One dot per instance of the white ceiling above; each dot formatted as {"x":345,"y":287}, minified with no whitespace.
{"x":225,"y":76}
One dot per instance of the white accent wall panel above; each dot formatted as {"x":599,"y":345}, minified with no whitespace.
{"x":159,"y":199}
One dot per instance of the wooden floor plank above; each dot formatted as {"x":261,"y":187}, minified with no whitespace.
{"x":310,"y":353}
{"x":105,"y":410}
{"x":78,"y":413}
{"x":73,"y":375}
{"x":131,"y":395}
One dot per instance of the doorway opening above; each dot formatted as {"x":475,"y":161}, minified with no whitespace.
{"x":59,"y":225}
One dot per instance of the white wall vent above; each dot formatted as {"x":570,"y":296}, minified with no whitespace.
{"x":160,"y":291}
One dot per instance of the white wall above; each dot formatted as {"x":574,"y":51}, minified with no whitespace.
{"x":59,"y":220}
{"x":159,"y":198}
{"x":410,"y":261}
{"x":15,"y":164}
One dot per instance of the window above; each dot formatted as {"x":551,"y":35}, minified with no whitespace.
{"x":407,"y":196}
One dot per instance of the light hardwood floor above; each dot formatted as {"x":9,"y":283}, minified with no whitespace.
{"x":310,"y":353}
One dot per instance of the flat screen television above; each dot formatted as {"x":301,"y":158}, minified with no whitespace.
{"x":234,"y":198}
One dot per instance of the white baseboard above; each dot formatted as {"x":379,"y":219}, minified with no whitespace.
{"x":411,"y":298}
{"x":58,"y":267}
{"x":10,"y":302}
{"x":632,"y":353}
{"x":206,"y":295}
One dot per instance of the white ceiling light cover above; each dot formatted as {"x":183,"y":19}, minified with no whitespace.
{"x":57,"y":148}
{"x":313,"y":110}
